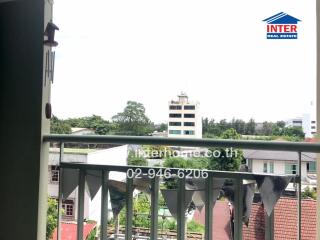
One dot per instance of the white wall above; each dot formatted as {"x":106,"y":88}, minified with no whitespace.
{"x":197,"y":120}
{"x":279,"y":167}
{"x":111,"y":156}
{"x":67,"y":157}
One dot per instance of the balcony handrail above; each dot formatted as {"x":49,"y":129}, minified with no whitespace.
{"x":298,"y":147}
{"x":192,"y":142}
{"x":144,"y":170}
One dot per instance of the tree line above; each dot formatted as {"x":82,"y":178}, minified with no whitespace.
{"x":211,"y":128}
{"x":131,"y":121}
{"x":134,"y":121}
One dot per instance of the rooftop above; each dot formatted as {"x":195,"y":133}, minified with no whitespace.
{"x":69,"y":231}
{"x":285,"y":220}
{"x":278,"y":155}
{"x":74,"y":150}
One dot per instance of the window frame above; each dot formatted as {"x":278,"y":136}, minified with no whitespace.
{"x":65,"y":204}
{"x":175,"y":115}
{"x":175,"y":132}
{"x":189,"y":107}
{"x":184,"y":132}
{"x":189,"y":115}
{"x":192,"y":125}
{"x":175,"y":107}
{"x":175,"y":124}
{"x":54,"y":173}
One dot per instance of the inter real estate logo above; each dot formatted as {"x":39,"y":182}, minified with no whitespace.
{"x":282,"y":26}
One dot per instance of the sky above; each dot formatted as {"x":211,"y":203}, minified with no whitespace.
{"x":149,"y":51}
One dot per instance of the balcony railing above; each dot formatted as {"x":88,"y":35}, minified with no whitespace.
{"x":237,"y":178}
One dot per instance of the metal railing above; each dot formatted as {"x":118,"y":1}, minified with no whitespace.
{"x":238,"y":177}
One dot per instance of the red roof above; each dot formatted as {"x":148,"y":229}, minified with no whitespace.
{"x":311,"y":140}
{"x":255,"y":229}
{"x":69,"y":231}
{"x":285,"y":220}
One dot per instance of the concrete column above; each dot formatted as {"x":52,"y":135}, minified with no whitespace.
{"x":23,"y":178}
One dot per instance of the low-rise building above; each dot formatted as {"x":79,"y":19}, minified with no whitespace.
{"x":282,"y":162}
{"x":307,"y":122}
{"x":111,"y":156}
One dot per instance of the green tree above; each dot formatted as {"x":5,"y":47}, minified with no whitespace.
{"x":136,"y":160}
{"x":294,"y":132}
{"x":309,"y":193}
{"x":223,"y":125}
{"x":133,"y":120}
{"x":158,"y":151}
{"x":95,"y":122}
{"x":267,"y":128}
{"x":205,"y":125}
{"x":239,"y":125}
{"x":141,"y":210}
{"x":193,"y":226}
{"x":179,"y":162}
{"x":59,"y":126}
{"x":174,"y":162}
{"x":52,"y":217}
{"x":281,"y":124}
{"x":250,"y":127}
{"x":161,"y":127}
{"x":226,"y":159}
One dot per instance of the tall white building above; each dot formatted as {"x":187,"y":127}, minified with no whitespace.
{"x":307,"y":122}
{"x":184,"y":118}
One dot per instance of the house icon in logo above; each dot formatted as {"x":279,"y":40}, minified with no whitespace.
{"x":282,"y":26}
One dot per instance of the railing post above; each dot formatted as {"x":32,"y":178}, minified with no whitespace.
{"x":104,"y":205}
{"x":269,"y":226}
{"x":154,"y":207}
{"x":129,"y":208}
{"x":299,"y":197}
{"x":238,"y":208}
{"x":181,"y":228}
{"x":208,"y":207}
{"x":82,"y":176}
{"x":60,"y":192}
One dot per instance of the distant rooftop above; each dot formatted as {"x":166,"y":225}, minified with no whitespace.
{"x":74,"y":150}
{"x":81,"y":131}
{"x":278,"y":155}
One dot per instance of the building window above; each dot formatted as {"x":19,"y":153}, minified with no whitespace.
{"x":188,"y":132}
{"x":174,"y":131}
{"x":67,"y":206}
{"x":188,"y":124}
{"x":290,"y":168}
{"x":313,"y":122}
{"x":313,"y":132}
{"x":175,"y":107}
{"x":311,"y":167}
{"x":297,"y":122}
{"x":268,"y":167}
{"x":265,"y":167}
{"x":174,"y":123}
{"x":189,"y":107}
{"x":271,"y":167}
{"x":55,"y":174}
{"x":313,"y":127}
{"x":189,"y":115}
{"x":175,"y":115}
